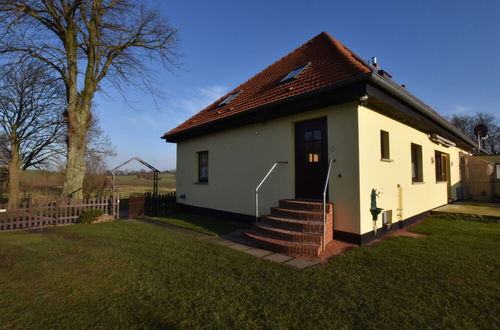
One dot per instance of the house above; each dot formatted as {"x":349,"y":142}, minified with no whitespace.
{"x":319,"y":108}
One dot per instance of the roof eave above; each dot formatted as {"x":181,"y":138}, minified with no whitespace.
{"x":178,"y":136}
{"x":413,"y":101}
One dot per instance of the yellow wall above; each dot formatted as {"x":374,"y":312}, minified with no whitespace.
{"x":239,"y":158}
{"x":385,"y":176}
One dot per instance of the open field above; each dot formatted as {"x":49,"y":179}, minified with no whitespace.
{"x":127,"y":185}
{"x":131,"y":274}
{"x":36,"y":184}
{"x":44,"y":184}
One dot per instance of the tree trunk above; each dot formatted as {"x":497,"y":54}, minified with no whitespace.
{"x":78,"y":123}
{"x":14,"y":179}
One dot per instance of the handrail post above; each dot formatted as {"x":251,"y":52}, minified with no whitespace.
{"x":260,"y":184}
{"x":324,"y":202}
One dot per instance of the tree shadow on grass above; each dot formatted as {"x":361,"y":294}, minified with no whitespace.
{"x":206,"y":225}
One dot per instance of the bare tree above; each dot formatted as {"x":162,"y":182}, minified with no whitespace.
{"x":31,"y":124}
{"x":467,"y":123}
{"x":99,"y":147}
{"x":86,"y":41}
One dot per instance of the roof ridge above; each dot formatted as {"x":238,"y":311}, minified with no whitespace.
{"x":351,"y":56}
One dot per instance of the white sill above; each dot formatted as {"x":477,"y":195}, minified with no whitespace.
{"x":203,"y":183}
{"x":386,"y":160}
{"x":418,"y":182}
{"x":441,"y":181}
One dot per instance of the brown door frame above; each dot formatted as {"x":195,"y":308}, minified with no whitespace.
{"x":309,"y":176}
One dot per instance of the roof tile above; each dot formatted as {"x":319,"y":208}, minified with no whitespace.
{"x":331,"y":62}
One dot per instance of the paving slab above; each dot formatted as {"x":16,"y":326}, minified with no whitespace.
{"x":201,"y":235}
{"x":473,"y":208}
{"x":258,"y":252}
{"x":278,"y":257}
{"x":224,"y":242}
{"x":239,"y":247}
{"x":300,"y":263}
{"x":213,"y":239}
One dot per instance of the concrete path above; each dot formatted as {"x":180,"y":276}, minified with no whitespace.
{"x":474,"y":208}
{"x":237,"y":242}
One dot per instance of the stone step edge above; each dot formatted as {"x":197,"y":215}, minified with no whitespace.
{"x":287,"y":231}
{"x":305,"y":205}
{"x":284,"y":246}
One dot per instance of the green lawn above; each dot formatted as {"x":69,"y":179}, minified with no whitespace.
{"x":199,"y":223}
{"x":131,"y":274}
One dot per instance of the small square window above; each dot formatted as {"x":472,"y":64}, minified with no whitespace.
{"x":294,"y":73}
{"x":229,"y":98}
{"x":313,"y":158}
{"x":203,"y":166}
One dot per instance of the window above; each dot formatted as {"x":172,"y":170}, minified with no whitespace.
{"x":416,"y":163}
{"x":295,"y":72}
{"x":498,"y":171}
{"x":312,"y":145}
{"x":229,"y":98}
{"x":441,"y":166}
{"x":384,"y":145}
{"x":203,"y":166}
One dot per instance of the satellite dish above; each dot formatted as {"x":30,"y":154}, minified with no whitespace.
{"x":481,"y":130}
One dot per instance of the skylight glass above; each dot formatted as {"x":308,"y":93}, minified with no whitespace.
{"x":229,"y":98}
{"x":295,"y":72}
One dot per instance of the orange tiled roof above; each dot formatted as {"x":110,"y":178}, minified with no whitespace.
{"x":330,"y":62}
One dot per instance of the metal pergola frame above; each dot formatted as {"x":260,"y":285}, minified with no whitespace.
{"x":151,"y":167}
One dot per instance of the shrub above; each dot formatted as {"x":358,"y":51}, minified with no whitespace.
{"x":90,"y":216}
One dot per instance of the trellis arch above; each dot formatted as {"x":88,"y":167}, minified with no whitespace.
{"x":151,"y":167}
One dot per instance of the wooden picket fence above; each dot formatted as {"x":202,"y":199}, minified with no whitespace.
{"x":152,"y":205}
{"x":40,"y":214}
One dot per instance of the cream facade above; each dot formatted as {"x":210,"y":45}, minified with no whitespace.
{"x":393,"y":177}
{"x":239,"y":158}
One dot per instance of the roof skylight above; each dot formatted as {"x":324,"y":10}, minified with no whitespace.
{"x":294,"y":73}
{"x":229,"y":98}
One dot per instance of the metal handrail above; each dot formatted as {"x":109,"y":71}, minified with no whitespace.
{"x":324,"y":201}
{"x":260,"y":184}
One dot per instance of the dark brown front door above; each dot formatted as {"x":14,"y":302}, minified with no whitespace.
{"x":311,"y":158}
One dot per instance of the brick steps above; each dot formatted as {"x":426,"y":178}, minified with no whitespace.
{"x":293,"y":224}
{"x":295,"y":227}
{"x":288,"y":235}
{"x":282,"y":246}
{"x":298,"y":204}
{"x":297,"y":214}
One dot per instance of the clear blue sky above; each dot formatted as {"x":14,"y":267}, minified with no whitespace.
{"x":448,"y":52}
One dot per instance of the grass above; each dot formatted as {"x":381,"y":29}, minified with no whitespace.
{"x":130,"y":274}
{"x":200,"y":224}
